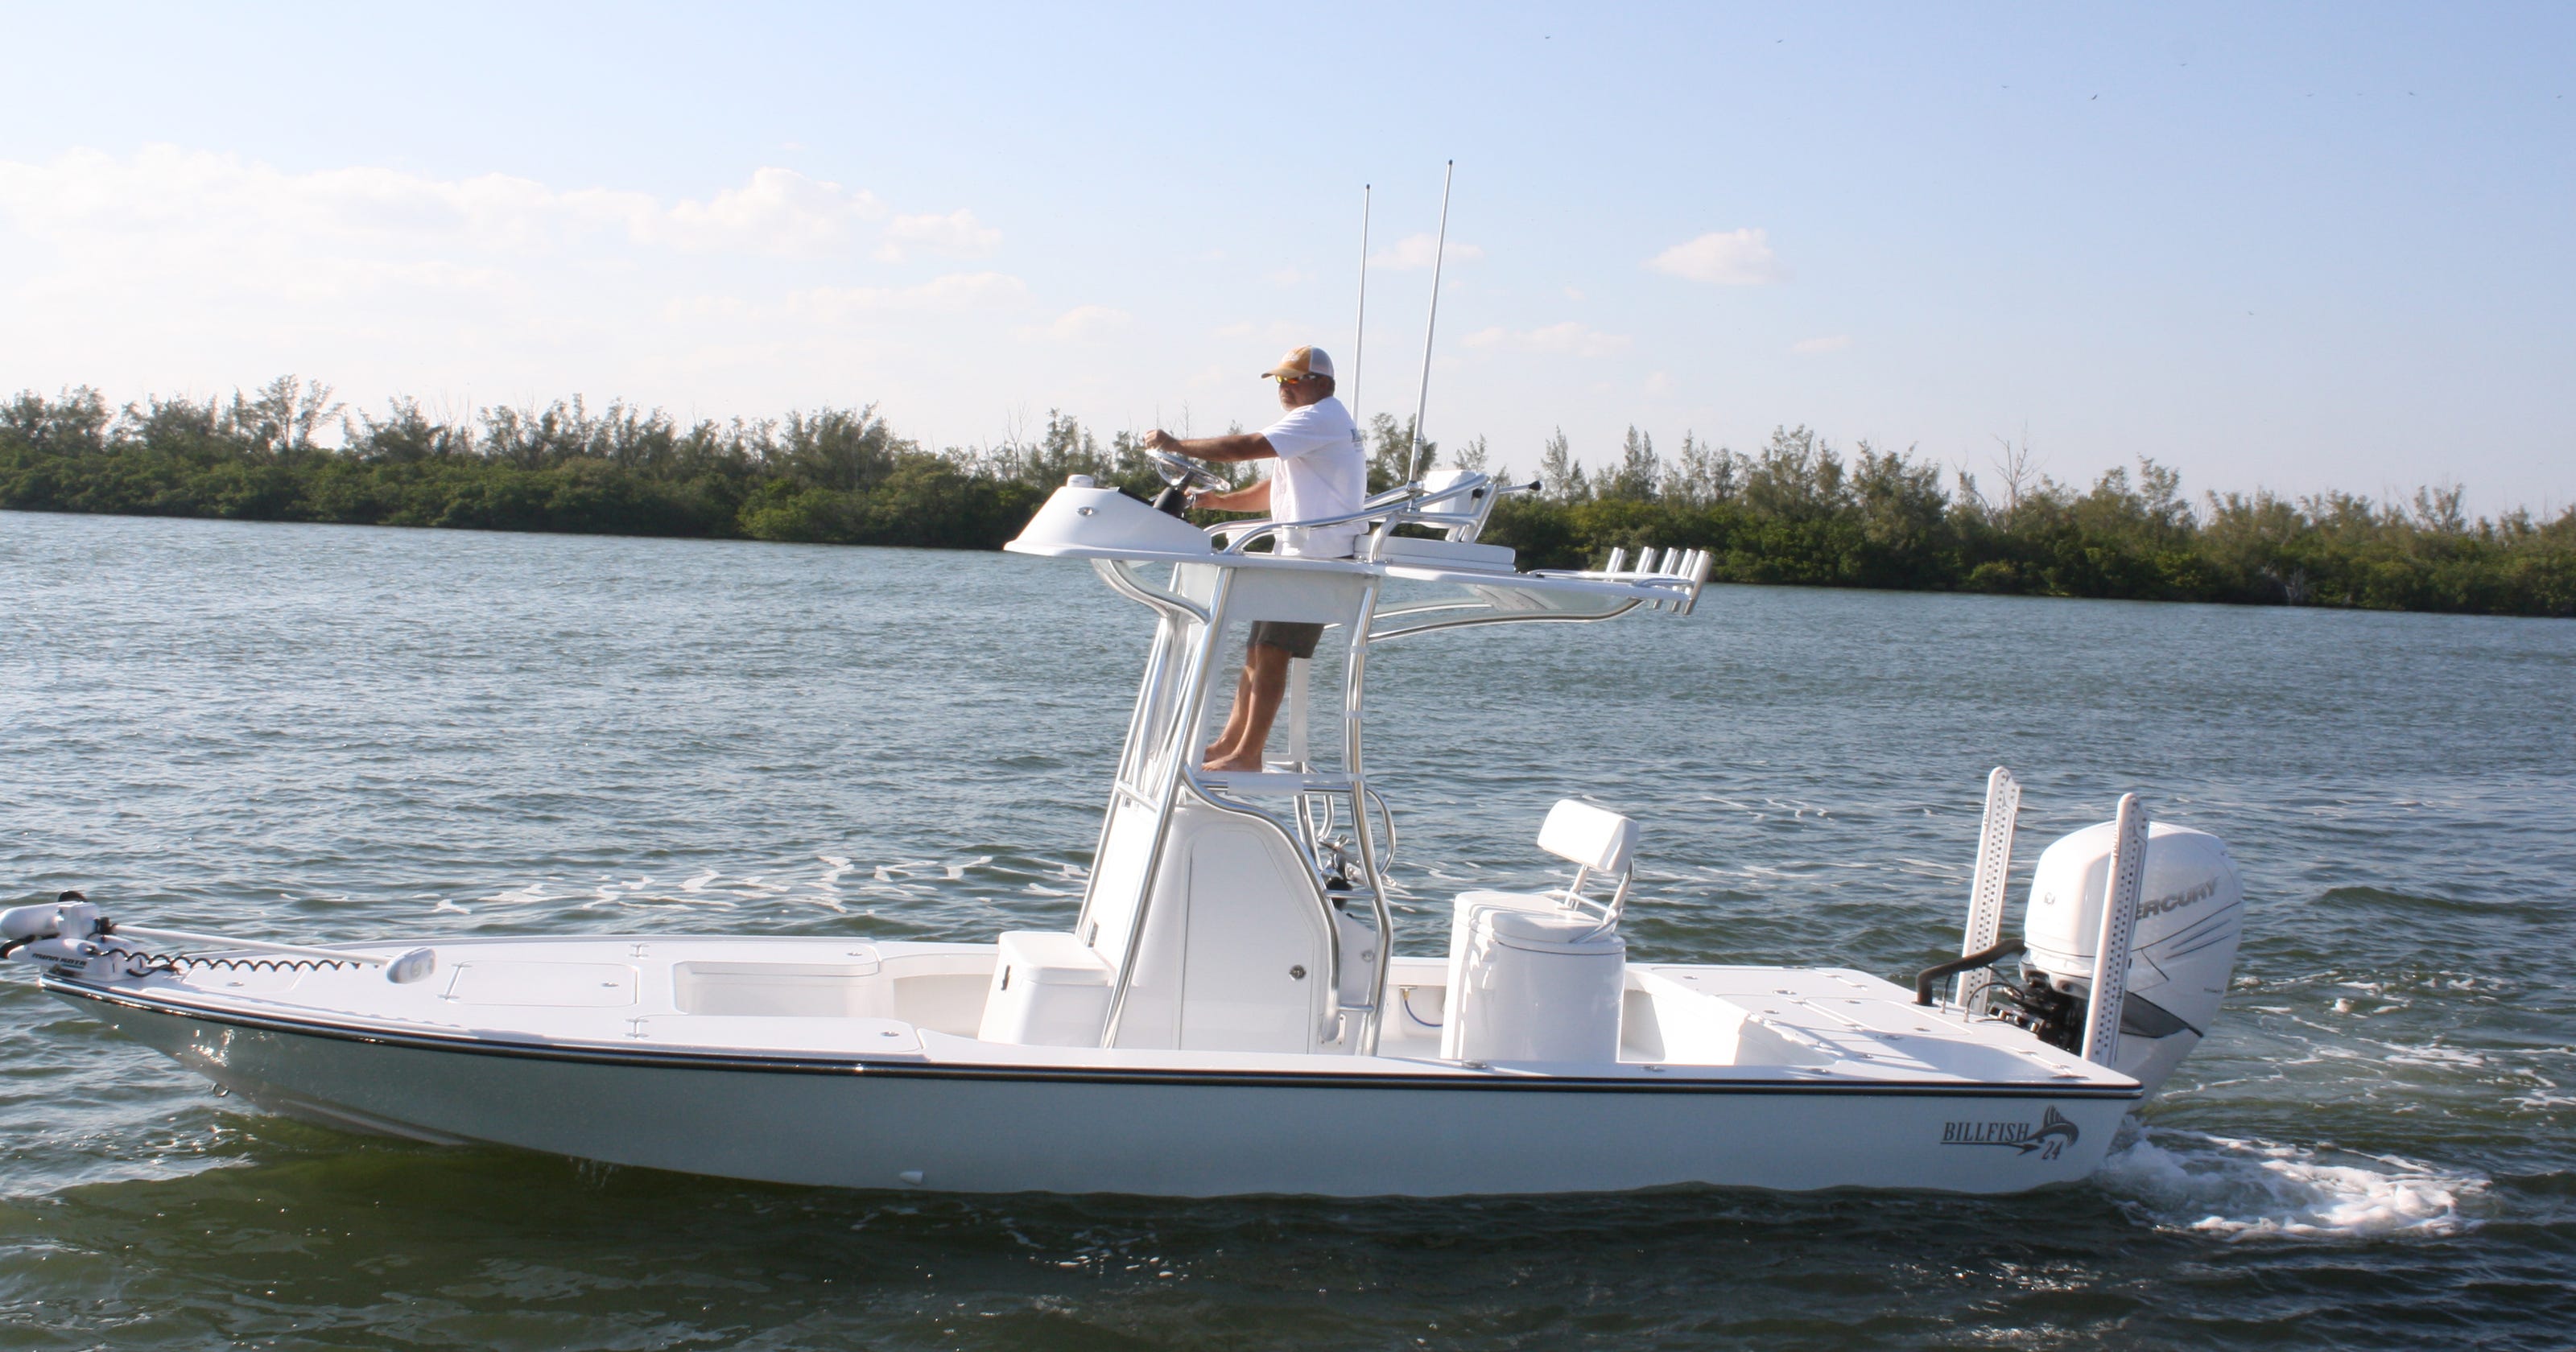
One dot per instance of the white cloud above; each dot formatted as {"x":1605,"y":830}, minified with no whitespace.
{"x":1418,"y":251}
{"x":167,"y":267}
{"x":1568,"y":339}
{"x":180,"y":208}
{"x":950,"y":294}
{"x":1081,"y":323}
{"x":780,"y":212}
{"x":1808,"y":347}
{"x":955,"y":235}
{"x":967,"y":290}
{"x":1724,"y":257}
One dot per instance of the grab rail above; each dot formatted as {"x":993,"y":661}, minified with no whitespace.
{"x":1119,"y":574}
{"x":1192,"y":693}
{"x":1254,"y":530}
{"x":1406,"y":502}
{"x":1978,"y":961}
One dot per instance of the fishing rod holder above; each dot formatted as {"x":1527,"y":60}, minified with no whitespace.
{"x":1683,"y":572}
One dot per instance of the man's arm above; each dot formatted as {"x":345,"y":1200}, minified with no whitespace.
{"x":1254,"y":498}
{"x":1236,"y":446}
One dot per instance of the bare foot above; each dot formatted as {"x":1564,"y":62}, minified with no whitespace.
{"x":1235,"y":764}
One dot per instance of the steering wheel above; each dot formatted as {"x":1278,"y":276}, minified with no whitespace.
{"x":1182,"y":472}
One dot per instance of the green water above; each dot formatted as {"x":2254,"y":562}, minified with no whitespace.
{"x":328,"y":733}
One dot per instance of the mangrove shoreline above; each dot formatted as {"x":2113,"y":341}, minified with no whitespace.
{"x":1796,"y":511}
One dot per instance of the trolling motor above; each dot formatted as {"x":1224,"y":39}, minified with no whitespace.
{"x":72,"y":941}
{"x":1180,"y":475}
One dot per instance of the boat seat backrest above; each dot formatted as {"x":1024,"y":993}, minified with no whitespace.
{"x":1594,"y":840}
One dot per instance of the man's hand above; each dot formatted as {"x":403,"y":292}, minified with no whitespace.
{"x":1160,"y":440}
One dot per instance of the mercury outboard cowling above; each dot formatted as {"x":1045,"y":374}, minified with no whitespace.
{"x":2191,"y":913}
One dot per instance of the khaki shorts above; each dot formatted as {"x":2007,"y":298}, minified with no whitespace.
{"x":1298,"y":640}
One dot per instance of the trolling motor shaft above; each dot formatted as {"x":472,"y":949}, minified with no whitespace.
{"x":72,"y":940}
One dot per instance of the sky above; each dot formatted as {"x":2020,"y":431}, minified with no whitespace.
{"x":2295,"y":247}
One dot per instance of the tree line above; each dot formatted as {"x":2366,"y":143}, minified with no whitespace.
{"x":1796,"y":510}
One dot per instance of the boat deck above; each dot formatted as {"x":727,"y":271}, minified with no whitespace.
{"x":844,"y":1004}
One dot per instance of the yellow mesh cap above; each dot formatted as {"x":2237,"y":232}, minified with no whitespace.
{"x":1300,"y":363}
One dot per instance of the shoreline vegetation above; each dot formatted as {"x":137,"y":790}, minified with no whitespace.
{"x":1796,"y":511}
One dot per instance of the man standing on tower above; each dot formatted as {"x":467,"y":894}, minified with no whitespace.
{"x":1322,"y":471}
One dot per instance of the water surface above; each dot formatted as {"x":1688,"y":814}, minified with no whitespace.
{"x":335,"y":733}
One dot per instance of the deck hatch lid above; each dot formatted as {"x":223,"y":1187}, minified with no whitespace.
{"x":561,"y":985}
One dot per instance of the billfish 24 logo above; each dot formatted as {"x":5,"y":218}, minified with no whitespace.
{"x":2054,"y":1133}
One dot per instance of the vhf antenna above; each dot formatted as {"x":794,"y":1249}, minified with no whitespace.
{"x":1359,"y":338}
{"x":1439,"y":253}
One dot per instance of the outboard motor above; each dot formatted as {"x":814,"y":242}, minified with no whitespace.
{"x":2191,"y":913}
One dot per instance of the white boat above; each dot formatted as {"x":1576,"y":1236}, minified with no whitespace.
{"x":1228,"y":1012}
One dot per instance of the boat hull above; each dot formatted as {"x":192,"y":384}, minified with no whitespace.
{"x":987,"y":1129}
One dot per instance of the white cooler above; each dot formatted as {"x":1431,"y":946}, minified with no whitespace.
{"x":1531,"y":981}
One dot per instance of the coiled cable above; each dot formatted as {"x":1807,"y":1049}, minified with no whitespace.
{"x":181,"y":964}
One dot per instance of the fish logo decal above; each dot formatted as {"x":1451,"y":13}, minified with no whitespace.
{"x":2048,"y":1140}
{"x":2056,"y":1131}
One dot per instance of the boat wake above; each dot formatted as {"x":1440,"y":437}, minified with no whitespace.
{"x":2252,"y":1189}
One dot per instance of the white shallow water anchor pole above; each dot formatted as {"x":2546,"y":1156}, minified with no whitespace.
{"x":1986,"y":894}
{"x":2119,"y":927}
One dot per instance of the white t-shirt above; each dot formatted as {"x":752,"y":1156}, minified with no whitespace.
{"x":1321,"y":472}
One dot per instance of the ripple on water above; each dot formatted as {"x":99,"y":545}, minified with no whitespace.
{"x":331,"y":733}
